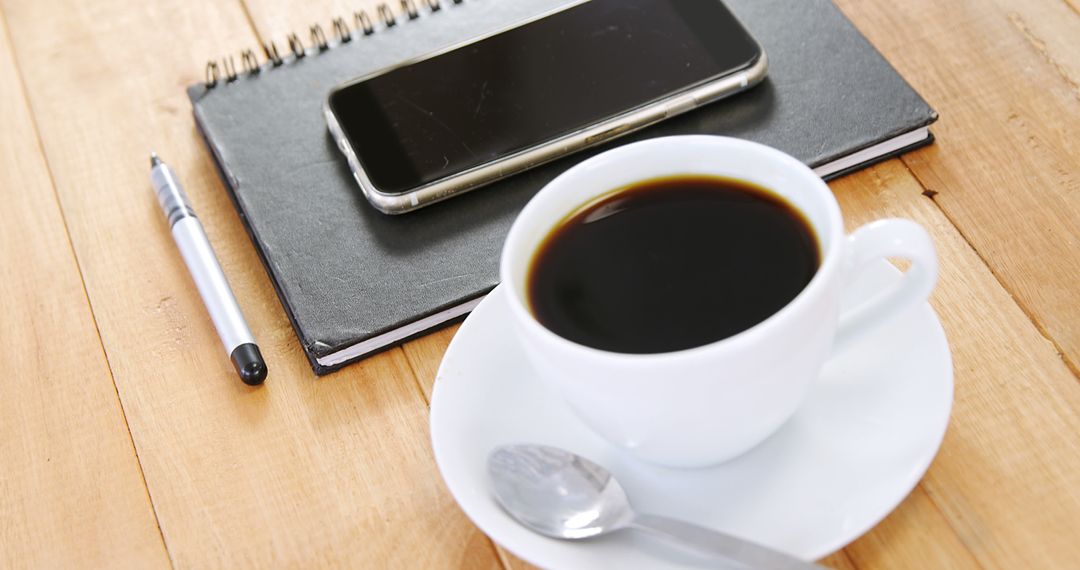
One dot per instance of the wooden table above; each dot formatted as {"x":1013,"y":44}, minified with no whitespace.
{"x":126,"y":439}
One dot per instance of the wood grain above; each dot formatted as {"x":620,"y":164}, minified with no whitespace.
{"x":71,"y":492}
{"x":915,"y":535}
{"x":1050,"y":28}
{"x":1007,"y":478}
{"x":839,"y":561}
{"x":302,"y":472}
{"x":1005,"y":163}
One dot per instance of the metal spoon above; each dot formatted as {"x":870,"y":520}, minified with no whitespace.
{"x":562,"y":495}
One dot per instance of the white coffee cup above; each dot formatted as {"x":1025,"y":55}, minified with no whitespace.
{"x":708,"y":404}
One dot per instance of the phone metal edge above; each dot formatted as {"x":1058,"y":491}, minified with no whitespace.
{"x":592,"y":135}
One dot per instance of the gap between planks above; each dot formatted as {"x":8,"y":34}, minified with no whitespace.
{"x":251,"y":22}
{"x":416,"y":376}
{"x":1039,"y":46}
{"x":930,"y":193}
{"x":1071,"y":4}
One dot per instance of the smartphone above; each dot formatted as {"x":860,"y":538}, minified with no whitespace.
{"x":455,"y":120}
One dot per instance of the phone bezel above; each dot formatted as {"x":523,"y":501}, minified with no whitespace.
{"x":619,"y":124}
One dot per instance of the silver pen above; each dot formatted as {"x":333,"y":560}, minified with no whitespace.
{"x":205,"y":270}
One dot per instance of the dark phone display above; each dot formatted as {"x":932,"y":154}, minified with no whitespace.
{"x":532,"y":84}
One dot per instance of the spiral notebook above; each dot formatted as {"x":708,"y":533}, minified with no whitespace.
{"x":354,"y":281}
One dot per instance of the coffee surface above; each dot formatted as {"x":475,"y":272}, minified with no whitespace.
{"x":671,"y":264}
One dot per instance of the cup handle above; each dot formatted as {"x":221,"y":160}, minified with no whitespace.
{"x":878,"y":240}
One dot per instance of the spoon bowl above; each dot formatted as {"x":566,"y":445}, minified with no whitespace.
{"x":562,"y":495}
{"x":557,"y":493}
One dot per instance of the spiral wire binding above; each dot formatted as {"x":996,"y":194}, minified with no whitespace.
{"x":363,"y":22}
{"x":212,"y":74}
{"x":363,"y":25}
{"x":296,"y":46}
{"x":249,"y":62}
{"x":230,"y":69}
{"x":272,"y":54}
{"x":341,"y":31}
{"x":386,"y":15}
{"x":318,"y":38}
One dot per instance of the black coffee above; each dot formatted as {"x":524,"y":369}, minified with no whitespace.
{"x":671,"y":264}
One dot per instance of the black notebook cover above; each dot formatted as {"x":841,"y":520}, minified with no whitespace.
{"x":347,"y":273}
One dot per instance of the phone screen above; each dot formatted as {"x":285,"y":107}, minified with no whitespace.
{"x":534,"y":83}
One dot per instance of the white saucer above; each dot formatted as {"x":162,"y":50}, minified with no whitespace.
{"x":861,"y":441}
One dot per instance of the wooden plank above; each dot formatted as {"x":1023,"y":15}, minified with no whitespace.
{"x":1007,"y":479}
{"x":71,"y":491}
{"x":1004,"y":164}
{"x":301,"y":472}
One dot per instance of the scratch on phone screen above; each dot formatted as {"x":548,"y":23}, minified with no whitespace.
{"x":483,"y":95}
{"x":439,"y":122}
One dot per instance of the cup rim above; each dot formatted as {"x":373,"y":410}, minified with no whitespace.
{"x":829,"y":265}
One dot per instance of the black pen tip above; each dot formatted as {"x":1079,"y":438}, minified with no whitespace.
{"x":249,"y":364}
{"x":154,"y":160}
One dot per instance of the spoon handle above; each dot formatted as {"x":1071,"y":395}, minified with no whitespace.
{"x":708,"y":541}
